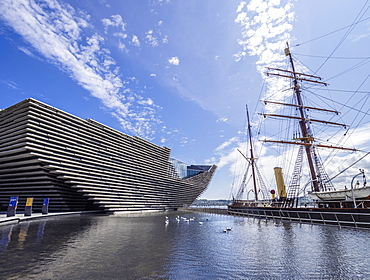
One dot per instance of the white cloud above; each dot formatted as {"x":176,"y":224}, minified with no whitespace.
{"x":135,"y":41}
{"x":184,"y":140}
{"x":10,"y":84}
{"x":120,"y":35}
{"x":174,"y":60}
{"x":266,"y":26}
{"x":165,"y":40}
{"x":146,"y":102}
{"x":226,"y":144}
{"x":155,"y":37}
{"x":360,"y":37}
{"x":115,"y":20}
{"x":228,"y":160}
{"x":122,"y":47}
{"x":27,"y":52}
{"x":222,"y":119}
{"x":159,"y":2}
{"x":56,"y":32}
{"x":150,"y":39}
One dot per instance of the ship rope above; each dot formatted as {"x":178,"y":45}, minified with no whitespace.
{"x":324,"y":183}
{"x":350,"y":29}
{"x":330,"y":33}
{"x":231,"y":196}
{"x":358,"y":108}
{"x":263,"y":189}
{"x":348,"y":167}
{"x":295,"y":181}
{"x":243,"y":185}
{"x":343,"y":136}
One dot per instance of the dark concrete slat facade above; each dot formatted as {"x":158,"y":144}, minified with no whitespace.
{"x":84,"y":165}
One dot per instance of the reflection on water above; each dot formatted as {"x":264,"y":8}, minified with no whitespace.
{"x":5,"y":237}
{"x":144,"y":247}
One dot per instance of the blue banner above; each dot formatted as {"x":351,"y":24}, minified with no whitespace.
{"x":13,"y":201}
{"x":46,"y":201}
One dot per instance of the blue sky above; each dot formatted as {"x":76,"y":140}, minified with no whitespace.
{"x":177,"y":73}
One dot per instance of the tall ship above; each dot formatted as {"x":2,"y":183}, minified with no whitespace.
{"x":82,"y":165}
{"x":312,"y":195}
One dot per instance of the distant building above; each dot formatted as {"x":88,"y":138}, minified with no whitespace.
{"x":84,"y":165}
{"x":180,"y":167}
{"x":193,"y":170}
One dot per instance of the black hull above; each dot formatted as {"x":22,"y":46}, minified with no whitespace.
{"x":348,"y":217}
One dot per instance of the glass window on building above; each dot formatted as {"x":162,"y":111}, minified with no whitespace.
{"x":180,"y":167}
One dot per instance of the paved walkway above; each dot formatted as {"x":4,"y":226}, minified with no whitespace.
{"x":20,"y":217}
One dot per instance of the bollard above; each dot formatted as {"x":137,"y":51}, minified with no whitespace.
{"x":28,"y":208}
{"x":13,"y":202}
{"x":45,"y":206}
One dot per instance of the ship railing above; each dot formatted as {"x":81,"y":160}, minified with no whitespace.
{"x":361,"y":204}
{"x":330,"y":217}
{"x":251,"y":203}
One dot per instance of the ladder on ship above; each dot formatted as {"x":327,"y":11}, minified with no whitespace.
{"x":295,"y":181}
{"x":263,"y":189}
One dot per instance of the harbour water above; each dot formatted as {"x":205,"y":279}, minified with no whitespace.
{"x":145,"y":247}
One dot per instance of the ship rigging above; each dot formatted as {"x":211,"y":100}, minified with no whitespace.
{"x":287,"y":201}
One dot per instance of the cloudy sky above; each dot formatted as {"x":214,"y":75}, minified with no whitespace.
{"x":179,"y":72}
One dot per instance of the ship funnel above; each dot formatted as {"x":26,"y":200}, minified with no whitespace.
{"x":280,"y":182}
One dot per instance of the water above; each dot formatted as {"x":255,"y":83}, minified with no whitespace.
{"x":143,"y":247}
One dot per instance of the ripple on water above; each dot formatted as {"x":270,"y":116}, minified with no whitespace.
{"x":144,"y":247}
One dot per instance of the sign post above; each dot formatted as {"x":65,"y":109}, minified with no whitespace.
{"x":13,"y":202}
{"x":45,"y":206}
{"x":28,"y":209}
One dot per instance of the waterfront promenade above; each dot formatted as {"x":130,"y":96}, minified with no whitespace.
{"x":211,"y":210}
{"x":21,"y":217}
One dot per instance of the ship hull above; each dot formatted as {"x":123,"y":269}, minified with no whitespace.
{"x":342,"y":194}
{"x":348,"y":217}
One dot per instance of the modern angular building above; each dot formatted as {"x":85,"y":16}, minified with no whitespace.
{"x":84,"y":165}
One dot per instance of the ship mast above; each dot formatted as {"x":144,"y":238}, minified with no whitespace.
{"x":319,"y":178}
{"x":304,"y":126}
{"x":252,"y":159}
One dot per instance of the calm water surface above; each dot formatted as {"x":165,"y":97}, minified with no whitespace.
{"x":144,"y":247}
